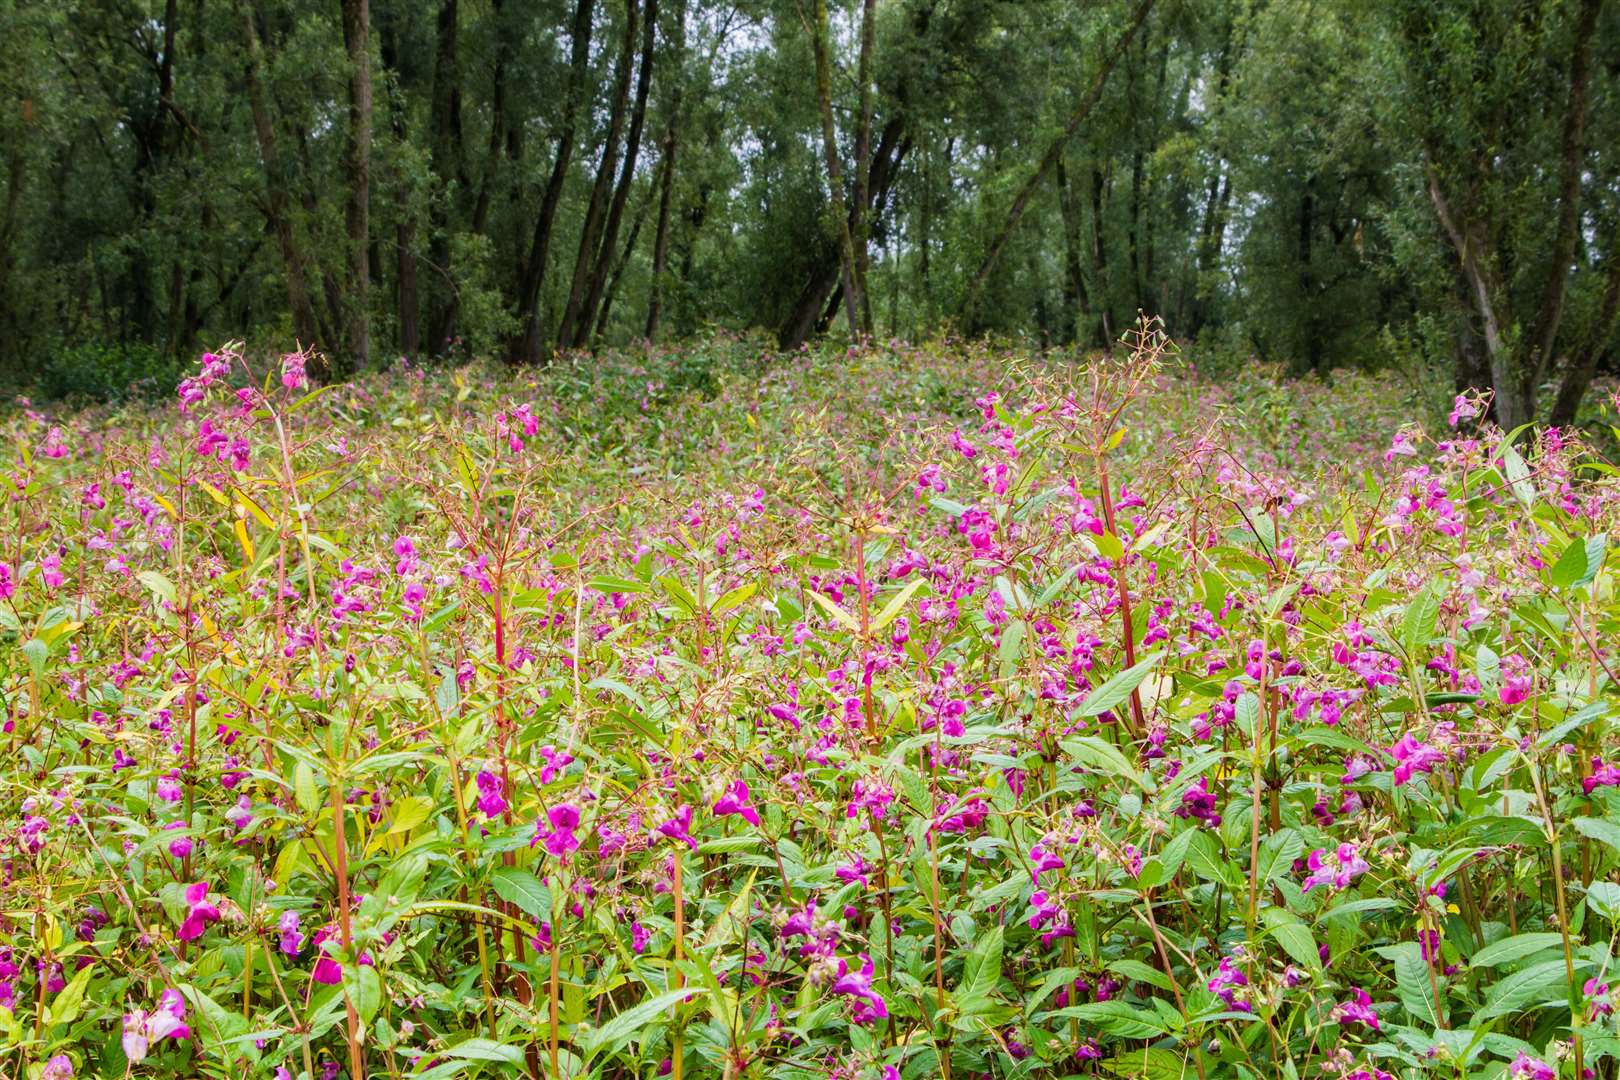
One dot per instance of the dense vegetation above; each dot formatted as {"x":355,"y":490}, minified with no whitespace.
{"x":1433,"y":183}
{"x":855,"y":713}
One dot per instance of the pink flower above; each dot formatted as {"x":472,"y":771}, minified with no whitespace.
{"x":1338,"y":869}
{"x":200,"y":915}
{"x":735,"y":801}
{"x":1525,"y":1067}
{"x":1603,"y":775}
{"x":1358,"y":1009}
{"x":868,"y":1004}
{"x":679,"y":826}
{"x":560,"y":840}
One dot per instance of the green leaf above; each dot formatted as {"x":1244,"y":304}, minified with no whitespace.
{"x":159,"y":585}
{"x":1412,"y":984}
{"x":1117,"y":689}
{"x":604,"y":583}
{"x":1149,"y":1063}
{"x":891,"y":610}
{"x":1536,"y":984}
{"x":410,"y":812}
{"x":1514,"y":948}
{"x":1571,"y":565}
{"x":1293,"y":935}
{"x":1105,"y":757}
{"x":982,"y":969}
{"x":839,"y":615}
{"x":618,"y":1031}
{"x":64,"y":1008}
{"x":309,"y":800}
{"x":1119,"y":1018}
{"x":1603,"y":897}
{"x":1137,"y":971}
{"x":1517,"y":474}
{"x":1207,"y":863}
{"x":1600,"y":829}
{"x":517,"y":886}
{"x":368,"y":992}
{"x":1417,"y":625}
{"x":486,"y":1050}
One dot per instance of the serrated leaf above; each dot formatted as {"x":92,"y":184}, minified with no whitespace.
{"x":1118,"y":1018}
{"x":618,"y":1031}
{"x":1105,"y":757}
{"x":1571,"y":565}
{"x":486,"y":1050}
{"x":1514,"y":948}
{"x":1600,"y":829}
{"x":1534,"y":985}
{"x":1117,"y":689}
{"x":518,"y":886}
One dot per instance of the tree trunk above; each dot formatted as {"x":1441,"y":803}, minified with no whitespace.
{"x":591,"y":233}
{"x":1099,"y":263}
{"x":407,"y":300}
{"x":1544,"y":331}
{"x":526,"y":347}
{"x":859,"y":232}
{"x":618,"y":270}
{"x":835,"y":178}
{"x":1048,"y":160}
{"x":603,"y":261}
{"x":448,"y":165}
{"x":1579,"y":375}
{"x":824,"y":280}
{"x":666,"y":175}
{"x":1075,"y":301}
{"x":1471,"y":244}
{"x":278,"y":201}
{"x":357,"y":39}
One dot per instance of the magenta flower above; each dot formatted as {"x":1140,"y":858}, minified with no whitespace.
{"x":1198,"y":802}
{"x":735,"y":801}
{"x":291,"y":939}
{"x":1603,"y":775}
{"x":1413,"y":755}
{"x":1042,"y":860}
{"x":200,"y":914}
{"x":491,"y":800}
{"x":560,"y":840}
{"x":142,"y":1028}
{"x":868,"y":1005}
{"x":679,"y":826}
{"x":1525,"y":1067}
{"x":1229,"y":985}
{"x":1357,"y":1009}
{"x":1338,"y":868}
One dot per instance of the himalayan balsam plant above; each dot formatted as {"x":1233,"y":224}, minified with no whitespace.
{"x":893,"y":713}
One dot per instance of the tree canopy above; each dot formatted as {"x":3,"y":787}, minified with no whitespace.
{"x":1321,"y":184}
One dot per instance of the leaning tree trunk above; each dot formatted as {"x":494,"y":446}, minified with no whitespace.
{"x":357,"y":39}
{"x":603,"y":261}
{"x":1048,"y":160}
{"x":1579,"y":374}
{"x":1471,"y":244}
{"x":835,"y":177}
{"x":666,"y":176}
{"x":1572,"y":153}
{"x":595,"y":212}
{"x":526,"y":347}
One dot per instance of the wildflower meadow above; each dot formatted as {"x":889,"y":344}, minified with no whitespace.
{"x":886,"y":712}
